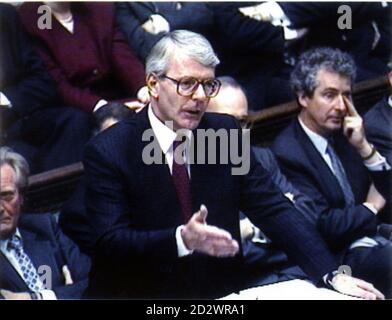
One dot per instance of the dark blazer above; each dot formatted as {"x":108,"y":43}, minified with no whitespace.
{"x":45,"y":244}
{"x":193,"y":16}
{"x":134,"y":211}
{"x":23,"y":78}
{"x":301,"y":201}
{"x":378,"y":124}
{"x":90,"y":64}
{"x":306,"y":169}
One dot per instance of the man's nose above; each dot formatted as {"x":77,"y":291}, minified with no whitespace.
{"x":199,"y":92}
{"x":340,"y":105}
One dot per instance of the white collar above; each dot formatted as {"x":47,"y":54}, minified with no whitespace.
{"x":318,"y":141}
{"x":390,"y":101}
{"x":4,"y":243}
{"x":163,"y":133}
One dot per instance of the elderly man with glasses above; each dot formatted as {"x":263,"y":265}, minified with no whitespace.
{"x":170,"y":228}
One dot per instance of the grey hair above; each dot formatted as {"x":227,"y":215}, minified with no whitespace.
{"x":303,"y":76}
{"x":18,"y":164}
{"x":192,"y":44}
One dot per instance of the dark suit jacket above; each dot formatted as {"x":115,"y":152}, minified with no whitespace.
{"x":45,"y":244}
{"x":193,"y":16}
{"x":134,"y":211}
{"x":90,"y":64}
{"x":306,"y":169}
{"x":301,"y":201}
{"x":23,"y":78}
{"x":378,"y":124}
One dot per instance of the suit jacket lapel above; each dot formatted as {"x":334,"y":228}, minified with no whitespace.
{"x":9,"y":277}
{"x":326,"y":179}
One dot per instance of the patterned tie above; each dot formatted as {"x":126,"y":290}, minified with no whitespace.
{"x":182,"y":184}
{"x":340,"y":175}
{"x":30,"y":275}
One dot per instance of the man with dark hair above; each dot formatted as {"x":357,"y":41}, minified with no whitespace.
{"x":169,"y":228}
{"x":326,"y":155}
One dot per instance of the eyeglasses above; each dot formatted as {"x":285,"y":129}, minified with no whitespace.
{"x":187,"y":86}
{"x":8,"y":196}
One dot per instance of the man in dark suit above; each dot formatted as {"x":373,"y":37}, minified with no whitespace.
{"x":165,"y":226}
{"x":144,"y":23}
{"x":378,"y":123}
{"x":47,"y":136}
{"x":37,"y":260}
{"x":326,"y":155}
{"x":362,"y":29}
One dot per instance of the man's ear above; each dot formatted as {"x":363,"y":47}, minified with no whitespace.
{"x":303,"y":100}
{"x":152,"y":85}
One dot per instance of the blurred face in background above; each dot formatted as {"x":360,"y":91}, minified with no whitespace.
{"x":10,"y":201}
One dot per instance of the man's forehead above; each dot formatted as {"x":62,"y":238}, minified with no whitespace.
{"x":7,"y":176}
{"x":184,"y":65}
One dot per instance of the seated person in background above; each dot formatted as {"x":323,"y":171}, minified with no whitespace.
{"x":86,"y":54}
{"x":144,"y":23}
{"x":259,"y":252}
{"x":325,"y":154}
{"x":362,"y":29}
{"x":378,"y":124}
{"x":37,"y":260}
{"x":252,"y":52}
{"x":173,"y":225}
{"x":31,"y":119}
{"x":73,"y":217}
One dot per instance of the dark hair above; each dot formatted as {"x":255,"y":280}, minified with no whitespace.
{"x":304,"y":74}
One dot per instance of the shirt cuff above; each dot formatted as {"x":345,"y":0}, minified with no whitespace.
{"x":371,"y":207}
{"x":4,"y":102}
{"x":48,"y":295}
{"x":181,"y":248}
{"x":377,"y":163}
{"x":100,"y":104}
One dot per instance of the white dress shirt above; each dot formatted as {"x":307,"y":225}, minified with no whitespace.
{"x":166,"y":138}
{"x":10,"y":256}
{"x":4,"y":102}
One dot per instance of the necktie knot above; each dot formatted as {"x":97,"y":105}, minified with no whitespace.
{"x":15,"y":243}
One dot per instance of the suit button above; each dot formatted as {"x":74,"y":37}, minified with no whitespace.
{"x":95,"y":72}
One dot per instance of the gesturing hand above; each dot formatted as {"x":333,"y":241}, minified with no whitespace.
{"x":200,"y":236}
{"x":355,"y":287}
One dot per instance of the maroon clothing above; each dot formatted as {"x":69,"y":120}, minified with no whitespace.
{"x":92,"y":63}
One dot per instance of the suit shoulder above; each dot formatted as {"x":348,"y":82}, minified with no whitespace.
{"x":37,"y":222}
{"x":218,"y":120}
{"x":285,"y":138}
